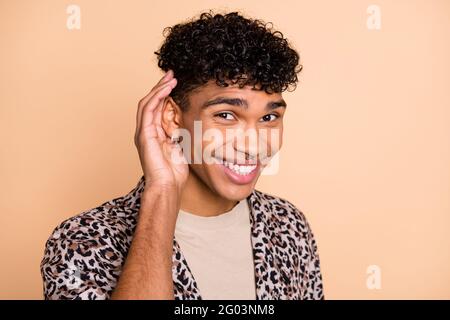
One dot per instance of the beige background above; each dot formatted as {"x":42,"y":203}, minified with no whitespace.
{"x":367,"y":134}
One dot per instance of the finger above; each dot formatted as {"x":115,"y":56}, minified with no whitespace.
{"x":164,"y":136}
{"x":165,"y":79}
{"x":158,"y":114}
{"x":158,"y":98}
{"x":165,"y":89}
{"x":148,"y":115}
{"x":141,"y":105}
{"x":161,"y":133}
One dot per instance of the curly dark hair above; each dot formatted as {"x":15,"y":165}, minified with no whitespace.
{"x":230,"y":49}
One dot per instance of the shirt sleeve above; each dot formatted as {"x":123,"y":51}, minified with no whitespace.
{"x":313,"y":286}
{"x":315,"y":289}
{"x":75,"y":268}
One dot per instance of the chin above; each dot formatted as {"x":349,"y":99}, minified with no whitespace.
{"x":233,"y":192}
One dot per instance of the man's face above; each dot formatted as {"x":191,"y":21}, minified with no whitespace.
{"x":241,"y":129}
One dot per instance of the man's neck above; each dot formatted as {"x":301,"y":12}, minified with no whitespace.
{"x":197,"y":198}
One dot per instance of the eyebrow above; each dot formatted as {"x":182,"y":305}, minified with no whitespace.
{"x":242,"y":103}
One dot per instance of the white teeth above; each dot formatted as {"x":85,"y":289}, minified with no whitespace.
{"x":240,"y":169}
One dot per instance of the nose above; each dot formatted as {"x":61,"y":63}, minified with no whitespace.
{"x":246,"y":146}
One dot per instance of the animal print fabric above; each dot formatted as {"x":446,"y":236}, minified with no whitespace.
{"x":84,"y":255}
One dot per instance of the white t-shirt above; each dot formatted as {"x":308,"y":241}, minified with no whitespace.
{"x":218,"y":251}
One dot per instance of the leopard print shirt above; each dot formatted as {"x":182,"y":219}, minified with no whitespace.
{"x":84,"y":255}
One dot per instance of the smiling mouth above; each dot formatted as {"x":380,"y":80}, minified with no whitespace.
{"x":241,"y":169}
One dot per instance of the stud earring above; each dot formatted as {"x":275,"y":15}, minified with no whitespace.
{"x":176,"y":139}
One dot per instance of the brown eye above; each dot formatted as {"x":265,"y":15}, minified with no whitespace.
{"x":224,"y":115}
{"x":268,"y":118}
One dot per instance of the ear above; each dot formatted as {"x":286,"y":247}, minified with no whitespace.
{"x":170,"y":116}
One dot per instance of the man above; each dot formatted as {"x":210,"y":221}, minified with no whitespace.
{"x":195,"y":229}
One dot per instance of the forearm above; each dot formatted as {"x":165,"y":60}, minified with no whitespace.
{"x":147,"y":272}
